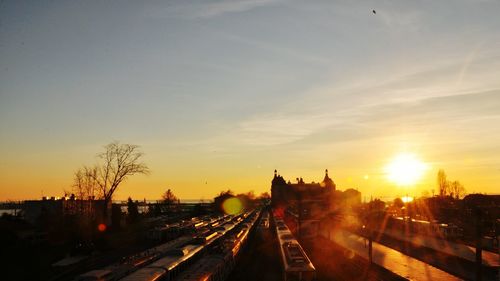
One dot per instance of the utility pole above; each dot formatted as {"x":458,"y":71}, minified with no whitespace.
{"x":479,"y":246}
{"x":370,"y":233}
{"x":299,"y":218}
{"x":370,"y":251}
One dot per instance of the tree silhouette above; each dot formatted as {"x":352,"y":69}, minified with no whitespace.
{"x":452,"y":188}
{"x":264,"y":196}
{"x":119,"y":161}
{"x":398,"y":202}
{"x":169,"y":197}
{"x":84,"y":188}
{"x":219,"y":199}
{"x":457,"y":189}
{"x":84,"y":183}
{"x":442,"y":182}
{"x":170,"y":201}
{"x":133,"y":210}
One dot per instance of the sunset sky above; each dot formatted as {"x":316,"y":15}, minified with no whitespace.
{"x":218,"y":94}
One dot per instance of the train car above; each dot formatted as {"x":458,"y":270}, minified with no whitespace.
{"x":200,"y":224}
{"x":217,"y":267}
{"x":170,"y":266}
{"x":236,"y":219}
{"x":165,"y":233}
{"x":131,"y":263}
{"x":225,"y":228}
{"x":193,"y":226}
{"x":167,"y":261}
{"x":147,"y":274}
{"x":205,"y":237}
{"x":238,"y":241}
{"x":210,"y":268}
{"x":264,"y":224}
{"x":96,"y":275}
{"x":296,"y":265}
{"x":427,"y":228}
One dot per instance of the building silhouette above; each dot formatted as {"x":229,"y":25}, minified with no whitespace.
{"x":304,"y":202}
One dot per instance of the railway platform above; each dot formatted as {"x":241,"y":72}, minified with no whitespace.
{"x":449,"y":247}
{"x":397,"y":262}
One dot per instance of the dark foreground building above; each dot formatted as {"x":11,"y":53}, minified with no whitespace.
{"x":305,"y":202}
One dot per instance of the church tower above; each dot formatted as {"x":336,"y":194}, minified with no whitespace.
{"x":328,"y":182}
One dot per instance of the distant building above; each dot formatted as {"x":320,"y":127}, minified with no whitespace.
{"x":351,"y":197}
{"x":482,"y":200}
{"x":489,"y":204}
{"x":305,"y":202}
{"x":35,"y":211}
{"x":282,"y":192}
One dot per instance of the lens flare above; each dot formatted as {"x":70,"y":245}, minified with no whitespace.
{"x":232,"y":206}
{"x":101,"y":227}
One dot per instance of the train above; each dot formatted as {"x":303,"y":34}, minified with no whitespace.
{"x":264,"y":222}
{"x":296,"y":265}
{"x":168,"y":267}
{"x":192,"y":226}
{"x":217,"y":265}
{"x":422,"y":227}
{"x":176,"y":253}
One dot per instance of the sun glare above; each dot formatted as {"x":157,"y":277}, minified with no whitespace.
{"x":405,"y":169}
{"x":407,"y":199}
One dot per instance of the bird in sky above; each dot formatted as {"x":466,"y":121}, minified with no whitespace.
{"x":375,"y":12}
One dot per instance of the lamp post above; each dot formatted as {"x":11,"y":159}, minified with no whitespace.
{"x":479,"y":246}
{"x":369,"y":227}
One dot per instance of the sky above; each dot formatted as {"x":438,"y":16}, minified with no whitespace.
{"x":218,"y":94}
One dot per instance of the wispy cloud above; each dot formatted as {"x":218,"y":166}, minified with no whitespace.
{"x":277,"y":129}
{"x":415,"y":100}
{"x":274,"y":48}
{"x":205,"y":9}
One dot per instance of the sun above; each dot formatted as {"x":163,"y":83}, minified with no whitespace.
{"x":405,"y":169}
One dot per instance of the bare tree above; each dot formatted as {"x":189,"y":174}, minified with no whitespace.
{"x":119,"y":161}
{"x":85,"y":184}
{"x":83,"y":191}
{"x":250,"y":195}
{"x":264,"y":196}
{"x":457,"y":189}
{"x":442,"y":182}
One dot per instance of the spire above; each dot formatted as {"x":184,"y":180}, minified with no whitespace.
{"x":327,"y":181}
{"x":275,"y":173}
{"x":327,"y":178}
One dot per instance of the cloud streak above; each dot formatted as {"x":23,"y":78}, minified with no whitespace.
{"x":206,"y":9}
{"x":403,"y":102}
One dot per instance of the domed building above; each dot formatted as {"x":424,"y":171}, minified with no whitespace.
{"x":305,"y":202}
